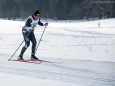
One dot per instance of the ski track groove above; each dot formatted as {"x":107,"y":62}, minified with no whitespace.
{"x":67,"y":77}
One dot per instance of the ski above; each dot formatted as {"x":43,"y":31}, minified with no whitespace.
{"x":35,"y":61}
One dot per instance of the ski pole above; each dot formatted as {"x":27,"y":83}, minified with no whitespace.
{"x":18,"y":48}
{"x":15,"y":51}
{"x":40,"y":39}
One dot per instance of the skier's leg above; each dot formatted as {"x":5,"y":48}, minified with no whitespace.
{"x":27,"y":43}
{"x":34,"y":42}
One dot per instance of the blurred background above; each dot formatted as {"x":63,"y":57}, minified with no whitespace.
{"x":58,"y":9}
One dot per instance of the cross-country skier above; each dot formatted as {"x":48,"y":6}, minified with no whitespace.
{"x":28,"y":34}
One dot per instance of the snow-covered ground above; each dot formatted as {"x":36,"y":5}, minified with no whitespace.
{"x":84,"y":52}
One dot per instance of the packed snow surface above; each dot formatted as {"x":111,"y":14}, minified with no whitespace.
{"x":82,"y":54}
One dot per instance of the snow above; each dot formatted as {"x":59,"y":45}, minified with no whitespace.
{"x":16,"y":80}
{"x":84,"y":53}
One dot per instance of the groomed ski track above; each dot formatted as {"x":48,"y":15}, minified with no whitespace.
{"x":87,"y":73}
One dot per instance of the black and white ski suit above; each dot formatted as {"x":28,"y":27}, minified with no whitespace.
{"x":28,"y":33}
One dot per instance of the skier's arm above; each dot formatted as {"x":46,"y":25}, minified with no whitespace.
{"x":28,"y":22}
{"x":40,"y":23}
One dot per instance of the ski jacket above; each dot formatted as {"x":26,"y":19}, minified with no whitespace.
{"x":31,"y":24}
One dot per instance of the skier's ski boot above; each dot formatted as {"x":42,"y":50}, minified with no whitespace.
{"x":20,"y":57}
{"x":33,"y":57}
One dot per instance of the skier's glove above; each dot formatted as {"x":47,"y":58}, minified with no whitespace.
{"x":31,"y":30}
{"x":46,"y":24}
{"x":34,"y":25}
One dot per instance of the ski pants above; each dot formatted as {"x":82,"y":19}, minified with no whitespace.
{"x":27,"y":38}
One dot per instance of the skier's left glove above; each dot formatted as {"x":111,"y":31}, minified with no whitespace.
{"x":46,"y":24}
{"x":34,"y":25}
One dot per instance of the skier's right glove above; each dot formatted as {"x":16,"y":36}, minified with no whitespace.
{"x":31,"y":30}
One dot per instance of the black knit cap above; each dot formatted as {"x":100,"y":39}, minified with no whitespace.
{"x":37,"y":12}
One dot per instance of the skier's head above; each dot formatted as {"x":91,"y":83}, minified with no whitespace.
{"x":36,"y":14}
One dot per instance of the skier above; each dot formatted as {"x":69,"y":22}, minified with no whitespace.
{"x":28,"y":34}
{"x":99,"y":24}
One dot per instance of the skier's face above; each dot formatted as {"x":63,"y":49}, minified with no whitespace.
{"x":36,"y":17}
